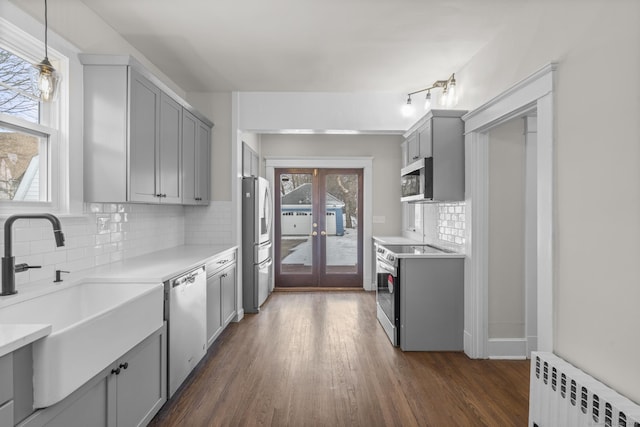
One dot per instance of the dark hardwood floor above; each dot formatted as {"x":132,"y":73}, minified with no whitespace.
{"x":322,"y":359}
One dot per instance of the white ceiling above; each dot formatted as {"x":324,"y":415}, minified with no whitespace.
{"x":298,"y":45}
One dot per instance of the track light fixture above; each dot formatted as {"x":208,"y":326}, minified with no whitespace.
{"x":448,"y":97}
{"x":48,"y":77}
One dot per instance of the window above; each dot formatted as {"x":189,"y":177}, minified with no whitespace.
{"x":30,"y":161}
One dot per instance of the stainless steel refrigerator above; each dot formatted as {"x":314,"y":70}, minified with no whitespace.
{"x":256,"y":243}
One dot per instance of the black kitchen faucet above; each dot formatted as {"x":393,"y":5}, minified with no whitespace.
{"x":9,"y":268}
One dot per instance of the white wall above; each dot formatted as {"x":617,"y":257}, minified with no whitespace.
{"x":506,"y":230}
{"x":308,"y":111}
{"x":385,"y":150}
{"x":597,"y":189}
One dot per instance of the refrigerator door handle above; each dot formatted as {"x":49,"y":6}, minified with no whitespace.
{"x":264,"y":264}
{"x":265,"y":245}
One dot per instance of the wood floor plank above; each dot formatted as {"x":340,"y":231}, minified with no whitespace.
{"x":322,"y":359}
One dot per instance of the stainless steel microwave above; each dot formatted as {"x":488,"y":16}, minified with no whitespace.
{"x":416,"y":181}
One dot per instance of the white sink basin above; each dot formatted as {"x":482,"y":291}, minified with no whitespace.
{"x":92,"y":325}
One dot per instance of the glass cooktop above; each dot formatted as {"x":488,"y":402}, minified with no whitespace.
{"x":415,"y":249}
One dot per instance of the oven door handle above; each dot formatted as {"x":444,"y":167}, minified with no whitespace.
{"x":386,"y":267}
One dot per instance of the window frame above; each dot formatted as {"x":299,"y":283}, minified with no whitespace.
{"x":54,"y":122}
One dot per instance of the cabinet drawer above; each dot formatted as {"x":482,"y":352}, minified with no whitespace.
{"x":6,"y":414}
{"x":6,"y":378}
{"x":218,"y":263}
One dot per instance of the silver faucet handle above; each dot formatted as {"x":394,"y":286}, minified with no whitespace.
{"x":24,"y":267}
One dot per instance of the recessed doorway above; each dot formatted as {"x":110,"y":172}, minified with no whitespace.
{"x":318,"y":235}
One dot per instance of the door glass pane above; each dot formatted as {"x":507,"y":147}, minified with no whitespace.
{"x":296,"y":208}
{"x":341,"y":223}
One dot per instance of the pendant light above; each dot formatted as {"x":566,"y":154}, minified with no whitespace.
{"x":48,"y":77}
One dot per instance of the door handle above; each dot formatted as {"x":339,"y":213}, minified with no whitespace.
{"x":323,"y":233}
{"x":315,"y":233}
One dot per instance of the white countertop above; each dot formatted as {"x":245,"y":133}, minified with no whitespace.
{"x":399,"y":240}
{"x":396,"y":240}
{"x":150,"y":268}
{"x":12,"y":337}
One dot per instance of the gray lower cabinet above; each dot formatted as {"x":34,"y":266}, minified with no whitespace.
{"x":214,"y":313}
{"x":6,"y":390}
{"x":127,"y":393}
{"x":228,"y":290}
{"x":432,"y":304}
{"x":221,"y":293}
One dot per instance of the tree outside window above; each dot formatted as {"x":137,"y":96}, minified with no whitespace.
{"x":21,"y":150}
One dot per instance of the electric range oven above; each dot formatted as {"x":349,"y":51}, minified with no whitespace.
{"x":389,"y":284}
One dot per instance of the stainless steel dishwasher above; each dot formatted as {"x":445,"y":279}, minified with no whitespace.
{"x":186,"y":314}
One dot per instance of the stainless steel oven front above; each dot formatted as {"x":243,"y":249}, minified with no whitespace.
{"x":388,"y":293}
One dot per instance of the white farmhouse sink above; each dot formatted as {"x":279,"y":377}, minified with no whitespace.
{"x":92,"y":325}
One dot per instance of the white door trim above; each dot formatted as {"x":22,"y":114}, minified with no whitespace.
{"x":533,"y":94}
{"x":365,"y":163}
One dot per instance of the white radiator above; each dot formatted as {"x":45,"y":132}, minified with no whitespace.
{"x":561,"y":395}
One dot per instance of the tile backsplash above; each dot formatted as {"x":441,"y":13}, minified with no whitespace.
{"x":208,"y":225}
{"x":109,"y":232}
{"x":445,"y":224}
{"x":451,"y":222}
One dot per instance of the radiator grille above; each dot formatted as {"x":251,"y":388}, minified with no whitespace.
{"x":561,"y":395}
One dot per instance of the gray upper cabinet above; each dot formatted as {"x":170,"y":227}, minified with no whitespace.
{"x":169,"y":161}
{"x":440,"y":135}
{"x":133,"y":136}
{"x":154,"y":144}
{"x":250,"y":161}
{"x":419,"y":143}
{"x":196,"y":142}
{"x":145,"y":109}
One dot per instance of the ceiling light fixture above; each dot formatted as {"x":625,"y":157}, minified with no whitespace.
{"x":408,"y":109}
{"x":48,"y":77}
{"x":448,"y":97}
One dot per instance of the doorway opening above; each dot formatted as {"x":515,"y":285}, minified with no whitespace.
{"x":318,"y":235}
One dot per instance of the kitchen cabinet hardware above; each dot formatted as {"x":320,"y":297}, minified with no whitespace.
{"x":124,"y":365}
{"x":24,"y":267}
{"x":59,"y":275}
{"x":116,"y":371}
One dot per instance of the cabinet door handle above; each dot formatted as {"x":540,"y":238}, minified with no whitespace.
{"x":116,"y":371}
{"x":124,"y":365}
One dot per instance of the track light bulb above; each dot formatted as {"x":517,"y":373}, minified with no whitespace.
{"x":408,"y":109}
{"x":427,"y":101}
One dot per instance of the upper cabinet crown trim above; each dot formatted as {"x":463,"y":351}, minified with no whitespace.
{"x":429,"y":115}
{"x":128,"y":60}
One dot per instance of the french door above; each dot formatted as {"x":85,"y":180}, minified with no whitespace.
{"x":318,"y":227}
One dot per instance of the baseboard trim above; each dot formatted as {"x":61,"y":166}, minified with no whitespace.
{"x":507,"y":348}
